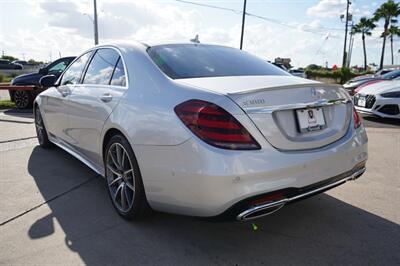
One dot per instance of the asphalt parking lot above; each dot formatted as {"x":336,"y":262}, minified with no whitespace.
{"x":55,"y":210}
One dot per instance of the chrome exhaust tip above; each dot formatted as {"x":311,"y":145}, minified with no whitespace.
{"x":260,"y":211}
{"x":273,"y":206}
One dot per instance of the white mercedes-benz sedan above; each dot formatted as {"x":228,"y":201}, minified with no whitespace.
{"x":200,"y":130}
{"x":380,"y":99}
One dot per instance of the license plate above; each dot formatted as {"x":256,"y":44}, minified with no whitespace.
{"x":361,"y":101}
{"x":310,"y":119}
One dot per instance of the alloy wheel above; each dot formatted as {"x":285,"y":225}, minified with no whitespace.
{"x":39,"y":127}
{"x":120,"y":177}
{"x":22,"y":99}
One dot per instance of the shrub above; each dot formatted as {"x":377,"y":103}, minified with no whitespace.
{"x":341,"y":75}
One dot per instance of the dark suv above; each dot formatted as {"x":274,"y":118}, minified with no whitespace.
{"x":24,"y":99}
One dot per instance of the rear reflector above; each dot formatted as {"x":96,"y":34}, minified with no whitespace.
{"x":215,"y":126}
{"x":357,"y":119}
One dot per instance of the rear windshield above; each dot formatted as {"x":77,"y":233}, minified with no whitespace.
{"x":180,"y":61}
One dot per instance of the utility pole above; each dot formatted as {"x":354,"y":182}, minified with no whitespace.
{"x":96,"y":30}
{"x":351,"y":43}
{"x":345,"y":34}
{"x":243,"y":19}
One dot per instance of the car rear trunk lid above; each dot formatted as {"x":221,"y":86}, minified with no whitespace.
{"x":276,"y":110}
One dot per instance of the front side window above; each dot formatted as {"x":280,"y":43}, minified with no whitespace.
{"x":195,"y":61}
{"x":118,"y":78}
{"x":101,"y":67}
{"x":73,"y":74}
{"x":58,"y":67}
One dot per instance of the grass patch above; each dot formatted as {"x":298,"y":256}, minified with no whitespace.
{"x":7,"y":79}
{"x":6,"y":104}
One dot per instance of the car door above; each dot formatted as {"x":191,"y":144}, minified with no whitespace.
{"x":56,"y":107}
{"x":92,"y":101}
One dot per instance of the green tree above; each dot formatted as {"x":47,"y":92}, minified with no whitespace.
{"x":364,"y":26}
{"x":9,"y":57}
{"x":393,"y":31}
{"x":388,"y":11}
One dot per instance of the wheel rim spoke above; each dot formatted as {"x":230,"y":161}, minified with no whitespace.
{"x":115,"y":181}
{"x":128,"y":171}
{"x":127,"y":196}
{"x":123,"y":199}
{"x":113,"y":159}
{"x":123,"y":159}
{"x":112,"y":169}
{"x":130,"y":186}
{"x":117,"y":192}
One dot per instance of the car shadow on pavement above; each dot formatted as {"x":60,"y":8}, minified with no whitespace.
{"x":382,"y":121}
{"x":319,"y":230}
{"x":23,"y":113}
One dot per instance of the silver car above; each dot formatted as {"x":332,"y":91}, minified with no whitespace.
{"x":200,"y":130}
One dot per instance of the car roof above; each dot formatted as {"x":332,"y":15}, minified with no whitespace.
{"x":132,"y":44}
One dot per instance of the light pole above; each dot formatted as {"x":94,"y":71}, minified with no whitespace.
{"x":345,"y":34}
{"x":243,"y":19}
{"x":96,"y":29}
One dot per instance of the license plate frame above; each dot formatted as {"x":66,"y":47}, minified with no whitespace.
{"x":310,"y":119}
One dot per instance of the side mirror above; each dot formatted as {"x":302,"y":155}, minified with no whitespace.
{"x":43,"y":71}
{"x":47,"y":81}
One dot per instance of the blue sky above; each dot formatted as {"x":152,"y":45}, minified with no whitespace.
{"x":45,"y":29}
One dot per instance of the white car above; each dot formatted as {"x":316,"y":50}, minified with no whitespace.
{"x":200,"y":130}
{"x":381,"y":99}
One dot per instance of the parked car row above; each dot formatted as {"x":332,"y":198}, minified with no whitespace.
{"x":7,"y":64}
{"x":377,"y":94}
{"x":380,"y":99}
{"x":352,"y":85}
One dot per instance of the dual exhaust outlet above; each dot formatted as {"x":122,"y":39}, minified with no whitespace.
{"x":273,"y":206}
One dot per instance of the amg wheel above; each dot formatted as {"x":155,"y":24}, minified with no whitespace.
{"x":41,"y":132}
{"x":123,"y":179}
{"x":23,"y":99}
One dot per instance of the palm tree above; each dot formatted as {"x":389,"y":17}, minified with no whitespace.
{"x":388,"y":11}
{"x":393,"y":31}
{"x":364,"y":26}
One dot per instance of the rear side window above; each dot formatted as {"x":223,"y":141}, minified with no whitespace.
{"x":195,"y":61}
{"x":101,"y":68}
{"x":73,"y":74}
{"x":118,"y":78}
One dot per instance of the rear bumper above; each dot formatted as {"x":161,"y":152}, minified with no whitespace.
{"x":196,"y":179}
{"x":291,"y":195}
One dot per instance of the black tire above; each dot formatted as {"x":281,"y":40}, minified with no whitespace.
{"x":121,"y":186}
{"x":41,"y":131}
{"x":23,"y":99}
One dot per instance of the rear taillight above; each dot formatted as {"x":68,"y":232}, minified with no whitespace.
{"x":357,"y":119}
{"x":215,"y":126}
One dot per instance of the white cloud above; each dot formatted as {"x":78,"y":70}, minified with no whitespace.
{"x":327,"y":8}
{"x":66,"y":29}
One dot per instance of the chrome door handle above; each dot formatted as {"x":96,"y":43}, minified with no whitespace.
{"x":64,"y":93}
{"x":106,"y":97}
